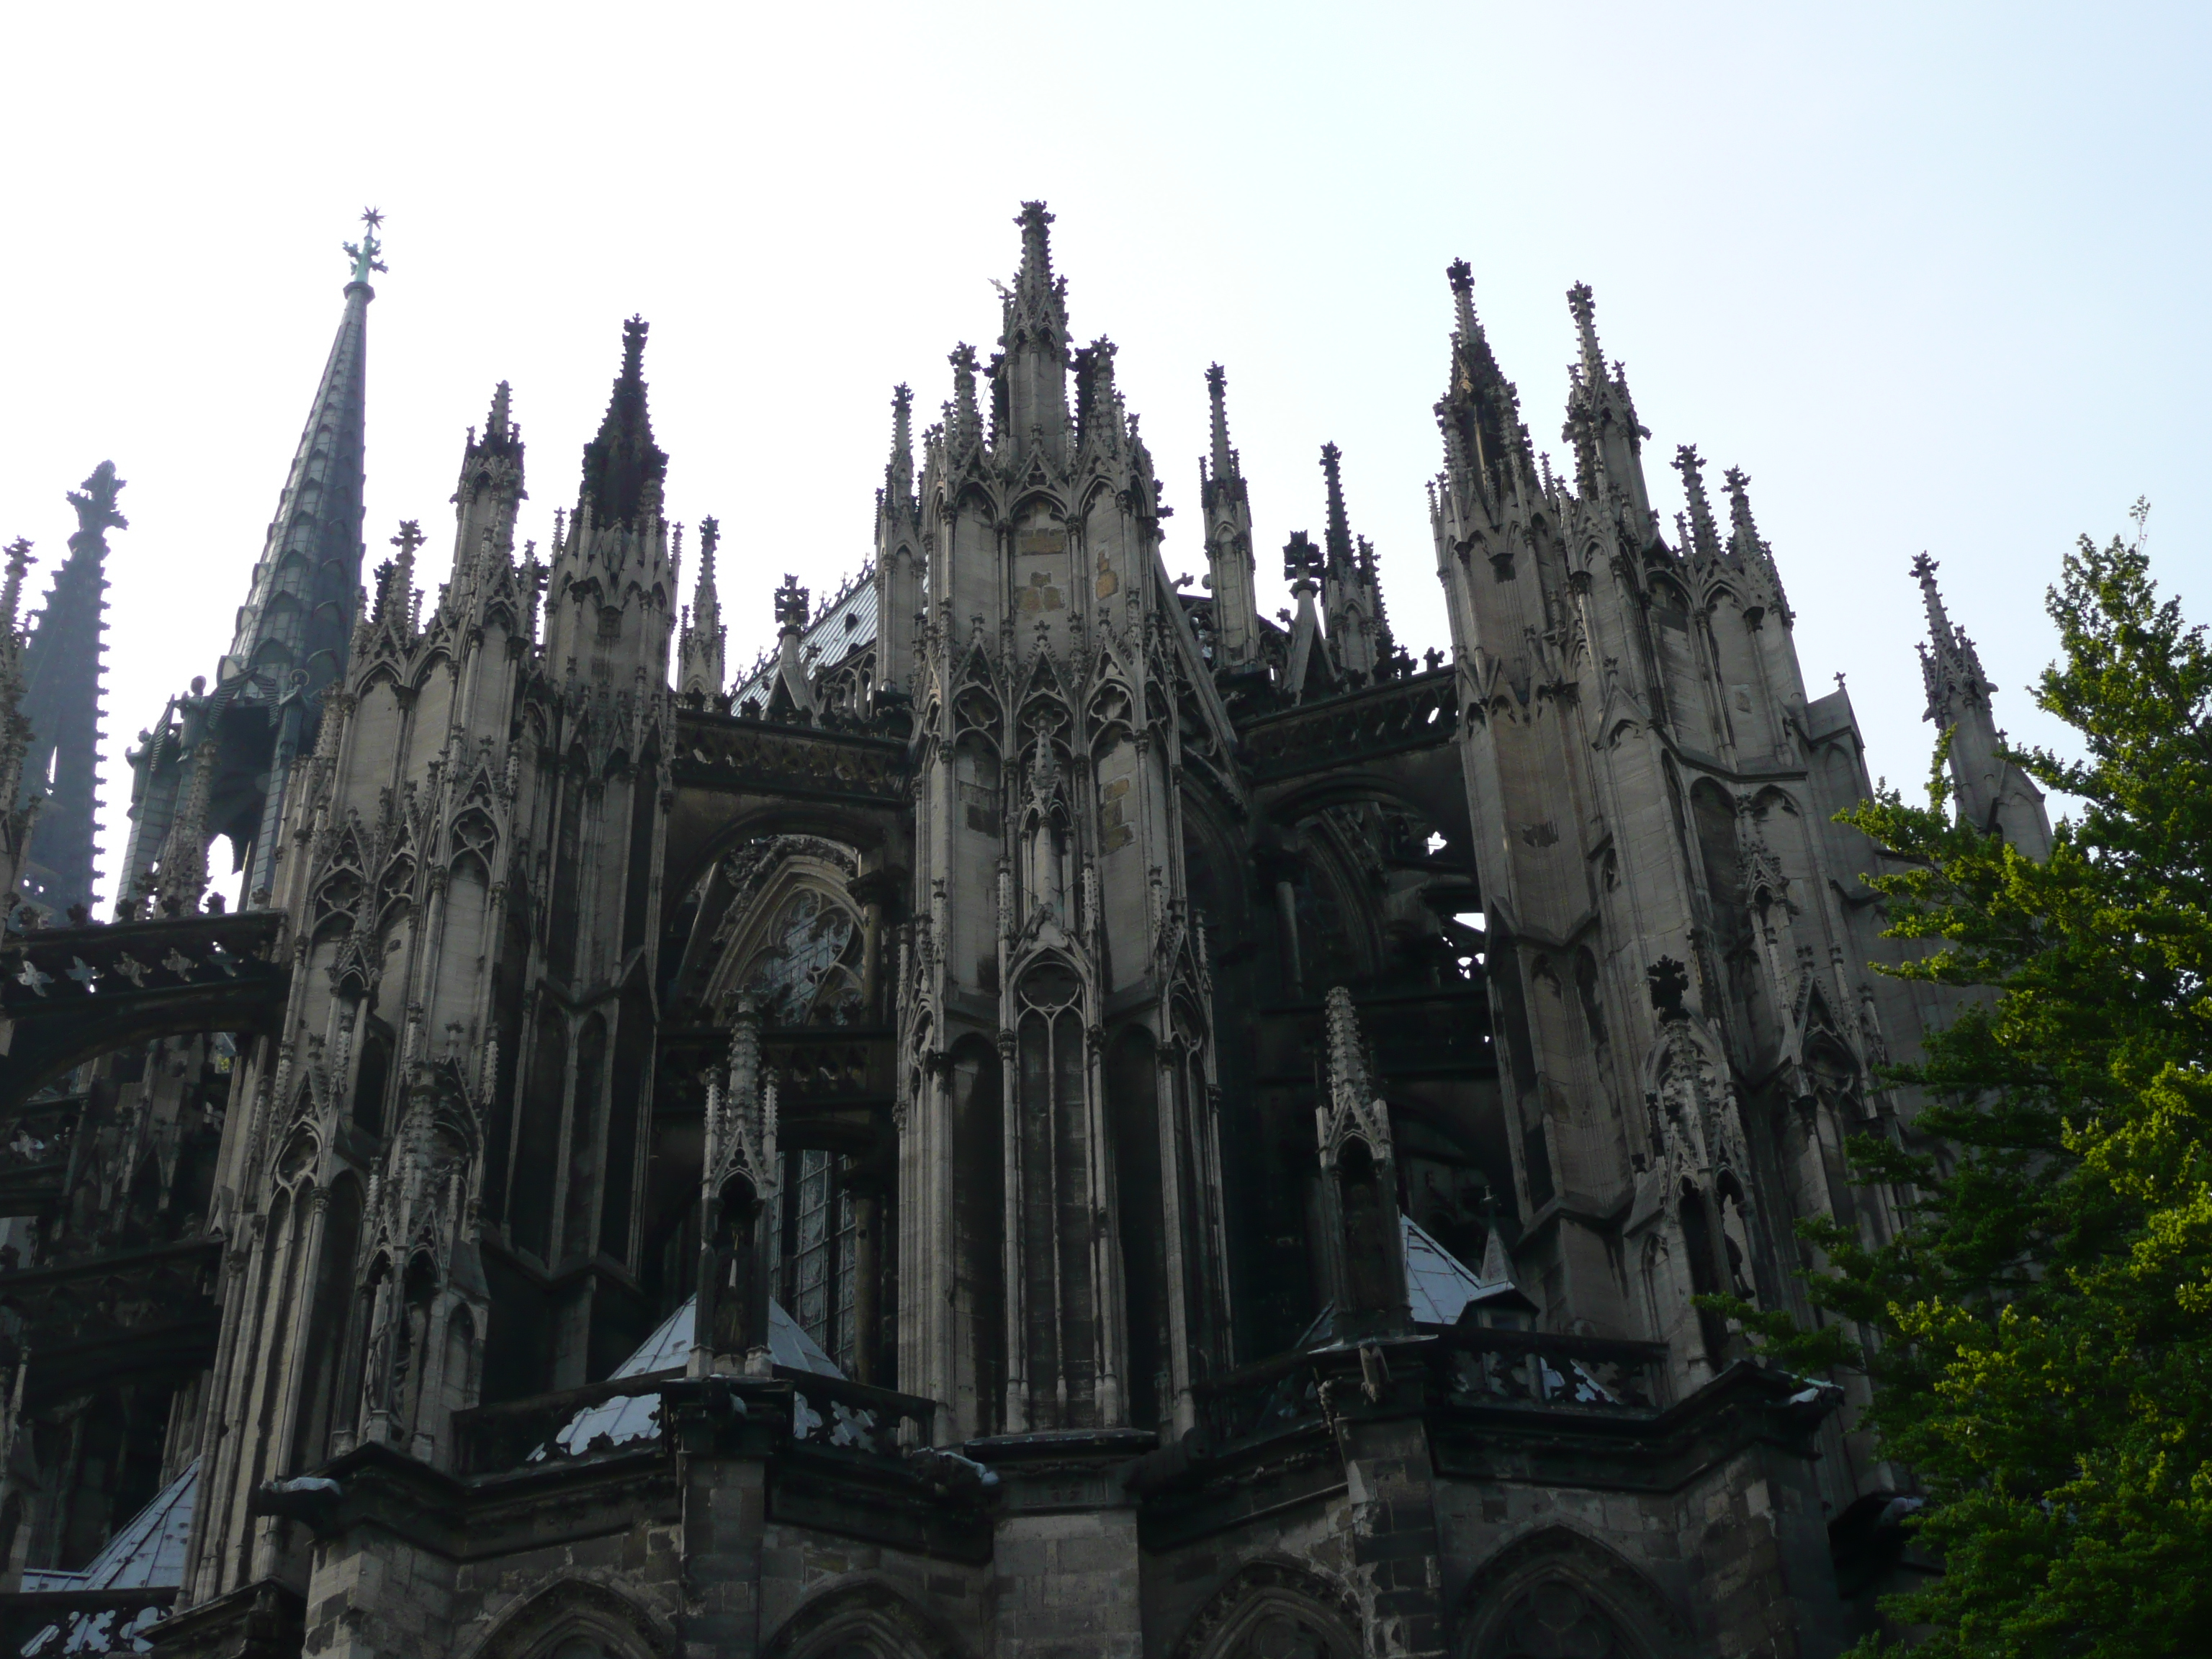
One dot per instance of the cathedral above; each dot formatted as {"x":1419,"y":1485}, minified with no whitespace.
{"x":1051,"y":1116}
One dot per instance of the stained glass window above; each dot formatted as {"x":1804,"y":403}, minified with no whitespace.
{"x":809,"y":973}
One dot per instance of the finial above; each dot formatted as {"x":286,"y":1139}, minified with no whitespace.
{"x":791,"y":604}
{"x":1302,"y":560}
{"x":363,"y":254}
{"x":1036,"y":243}
{"x":94,"y":502}
{"x":634,"y":333}
{"x":1460,"y":275}
{"x":710,"y":537}
{"x":1584,"y":305}
{"x":496,"y":422}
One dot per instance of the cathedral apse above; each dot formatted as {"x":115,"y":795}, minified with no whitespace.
{"x":1051,"y":1115}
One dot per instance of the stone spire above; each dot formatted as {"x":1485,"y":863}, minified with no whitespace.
{"x":1601,"y":423}
{"x":1029,"y":374}
{"x":1749,"y":549}
{"x":1704,"y":535}
{"x":182,"y":875}
{"x":624,"y":470}
{"x":486,"y":499}
{"x":963,"y":420}
{"x":62,"y":672}
{"x":1950,"y":667}
{"x":1227,"y":505}
{"x":1337,"y":539}
{"x":1486,"y":445}
{"x":1995,"y":796}
{"x":16,"y":821}
{"x":1352,"y":600}
{"x":1360,"y":1194}
{"x":298,"y":615}
{"x":898,"y":471}
{"x":898,"y":573}
{"x":700,"y":665}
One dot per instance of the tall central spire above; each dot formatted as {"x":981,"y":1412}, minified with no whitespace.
{"x":624,"y":470}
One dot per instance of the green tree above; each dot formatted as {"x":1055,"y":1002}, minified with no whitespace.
{"x":2040,"y":1335}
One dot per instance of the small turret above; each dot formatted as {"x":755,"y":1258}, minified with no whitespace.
{"x":1030,"y":376}
{"x":964,"y":419}
{"x":1351,"y":599}
{"x":898,"y":573}
{"x":1601,"y":423}
{"x":1227,"y":505}
{"x":1703,"y":540}
{"x":699,"y":651}
{"x":486,"y":499}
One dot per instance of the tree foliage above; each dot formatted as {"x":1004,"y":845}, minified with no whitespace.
{"x":2040,"y":1335}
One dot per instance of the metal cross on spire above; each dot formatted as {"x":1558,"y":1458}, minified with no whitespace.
{"x":363,"y":254}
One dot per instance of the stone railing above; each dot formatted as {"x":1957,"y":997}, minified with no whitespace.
{"x":1254,"y":1401}
{"x":1533,"y":1368}
{"x":1471,"y":1367}
{"x":631,"y":1413}
{"x":624,"y":1414}
{"x":828,"y":1411}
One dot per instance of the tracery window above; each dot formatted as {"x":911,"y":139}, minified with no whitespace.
{"x":809,"y":973}
{"x":824,"y":1248}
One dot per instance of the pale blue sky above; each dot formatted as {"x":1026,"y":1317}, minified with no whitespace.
{"x":1933,"y":275}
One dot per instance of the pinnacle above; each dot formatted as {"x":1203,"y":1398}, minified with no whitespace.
{"x":1217,"y":389}
{"x":1339,"y":524}
{"x":1583,"y":306}
{"x":1460,"y":275}
{"x":623,"y":467}
{"x":1037,"y":244}
{"x":1705,"y":533}
{"x":94,"y":502}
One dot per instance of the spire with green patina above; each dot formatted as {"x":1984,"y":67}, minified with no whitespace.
{"x":298,"y":614}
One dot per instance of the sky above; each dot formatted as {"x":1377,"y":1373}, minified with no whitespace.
{"x":1932,"y":275}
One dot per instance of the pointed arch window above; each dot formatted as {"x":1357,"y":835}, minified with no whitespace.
{"x":808,"y":972}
